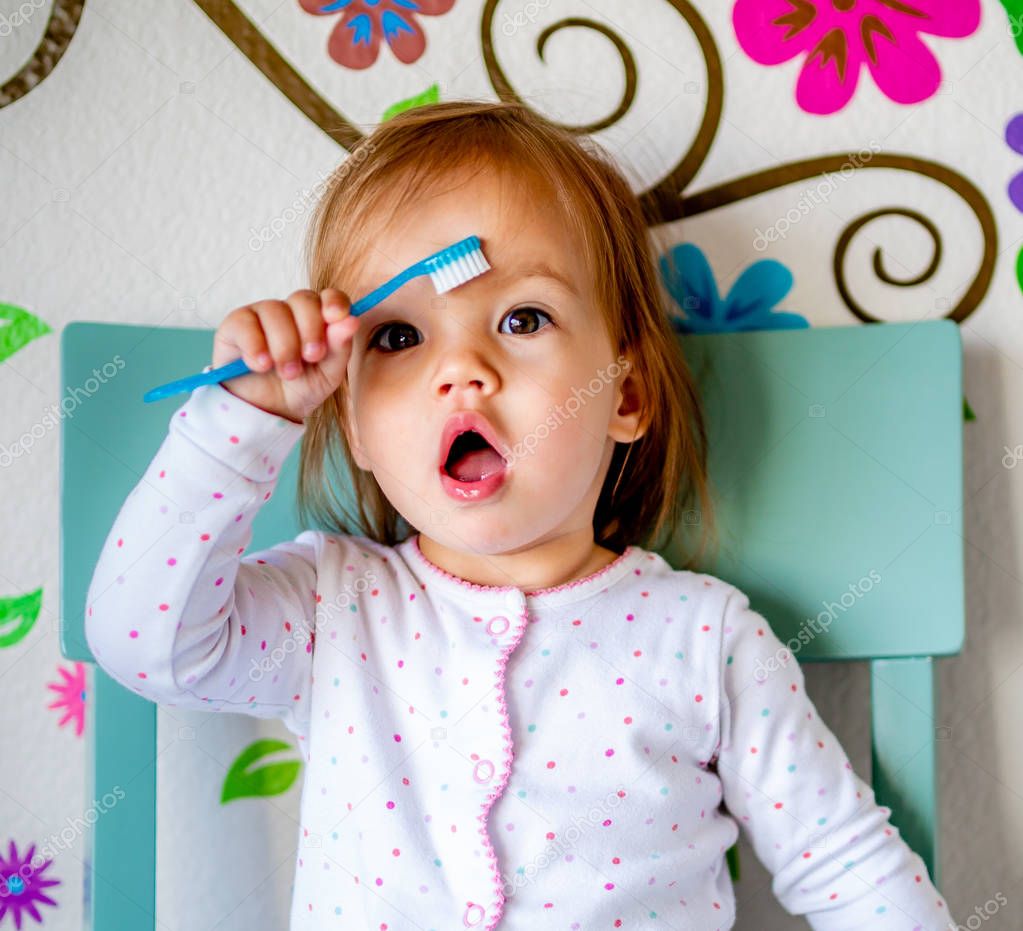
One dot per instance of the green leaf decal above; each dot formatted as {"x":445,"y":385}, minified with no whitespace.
{"x":967,"y":410}
{"x":272,"y":779}
{"x":23,"y":328}
{"x":1019,"y":269}
{"x":18,"y":616}
{"x":430,"y":95}
{"x":1015,"y":10}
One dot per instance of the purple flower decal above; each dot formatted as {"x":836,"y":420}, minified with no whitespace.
{"x":22,"y":884}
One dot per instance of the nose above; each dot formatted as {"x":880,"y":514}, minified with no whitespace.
{"x":465,"y":369}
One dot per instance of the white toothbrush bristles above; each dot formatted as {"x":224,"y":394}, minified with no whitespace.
{"x":458,"y":269}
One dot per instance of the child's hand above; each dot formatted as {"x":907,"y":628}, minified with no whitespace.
{"x":273,"y":336}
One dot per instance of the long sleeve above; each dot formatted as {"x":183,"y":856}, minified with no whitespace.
{"x":174,"y":611}
{"x":813,"y":823}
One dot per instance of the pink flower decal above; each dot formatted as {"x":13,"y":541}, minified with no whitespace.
{"x":838,"y":36}
{"x":72,"y":696}
{"x":355,"y":41}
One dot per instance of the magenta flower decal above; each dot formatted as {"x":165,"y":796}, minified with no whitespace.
{"x":355,"y":41}
{"x":72,"y":696}
{"x":839,"y":36}
{"x":21,"y":885}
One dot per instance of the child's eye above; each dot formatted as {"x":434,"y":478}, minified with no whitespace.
{"x":401,"y":341}
{"x":527,"y":314}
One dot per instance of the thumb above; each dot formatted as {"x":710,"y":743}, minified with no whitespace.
{"x":339,"y":349}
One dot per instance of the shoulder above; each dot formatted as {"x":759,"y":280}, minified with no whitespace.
{"x":714,"y":603}
{"x":351,"y":556}
{"x":700,"y":588}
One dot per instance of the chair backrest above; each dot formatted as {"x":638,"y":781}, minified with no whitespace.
{"x":836,"y":458}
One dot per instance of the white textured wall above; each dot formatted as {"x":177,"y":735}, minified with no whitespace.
{"x":130,"y":181}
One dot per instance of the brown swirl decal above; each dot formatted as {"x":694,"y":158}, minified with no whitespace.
{"x":56,"y":38}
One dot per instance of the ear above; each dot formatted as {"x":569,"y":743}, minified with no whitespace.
{"x":627,"y":421}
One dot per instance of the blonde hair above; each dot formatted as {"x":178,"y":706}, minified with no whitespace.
{"x":646,"y":489}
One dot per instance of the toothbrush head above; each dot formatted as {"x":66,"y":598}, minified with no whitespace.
{"x":456,"y":264}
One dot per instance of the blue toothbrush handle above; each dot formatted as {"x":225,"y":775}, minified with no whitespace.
{"x":213,"y":376}
{"x":377,"y":295}
{"x":238,"y":367}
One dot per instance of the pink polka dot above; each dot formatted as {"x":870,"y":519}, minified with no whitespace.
{"x":217,"y":494}
{"x":133,"y":634}
{"x":234,"y":439}
{"x":172,"y":561}
{"x":164,"y":607}
{"x":698,"y":698}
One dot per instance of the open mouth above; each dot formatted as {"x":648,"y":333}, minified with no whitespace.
{"x":472,"y":459}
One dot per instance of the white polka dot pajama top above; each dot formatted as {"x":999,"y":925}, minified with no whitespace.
{"x":579,"y":757}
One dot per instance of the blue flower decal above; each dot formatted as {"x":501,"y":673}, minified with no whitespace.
{"x":748,"y":305}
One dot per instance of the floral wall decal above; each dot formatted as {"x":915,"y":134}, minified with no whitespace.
{"x":1014,"y":137}
{"x":430,"y":95}
{"x":71,"y":698}
{"x":840,"y":36}
{"x":355,"y":41}
{"x":18,"y":615}
{"x":22,"y":885}
{"x":1014,"y":8}
{"x":21,"y":328}
{"x":748,"y":306}
{"x":272,"y":779}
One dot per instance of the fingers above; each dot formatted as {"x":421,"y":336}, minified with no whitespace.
{"x":336,"y":305}
{"x":305,"y":306}
{"x":281,"y":334}
{"x":242,"y":329}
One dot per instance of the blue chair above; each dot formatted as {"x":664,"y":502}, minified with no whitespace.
{"x":835,"y":453}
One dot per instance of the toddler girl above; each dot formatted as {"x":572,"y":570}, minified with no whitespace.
{"x":511,"y":713}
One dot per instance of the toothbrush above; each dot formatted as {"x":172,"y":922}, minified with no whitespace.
{"x":447,"y":269}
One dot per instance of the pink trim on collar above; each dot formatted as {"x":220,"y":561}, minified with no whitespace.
{"x":608,"y":573}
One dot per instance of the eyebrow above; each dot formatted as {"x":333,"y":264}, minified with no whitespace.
{"x":542,"y":270}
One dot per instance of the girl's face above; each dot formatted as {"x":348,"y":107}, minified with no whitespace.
{"x":523,"y":345}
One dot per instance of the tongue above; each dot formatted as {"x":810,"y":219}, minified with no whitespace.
{"x":476,"y":465}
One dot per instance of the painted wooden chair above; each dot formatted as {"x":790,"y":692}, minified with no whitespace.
{"x":836,"y":455}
